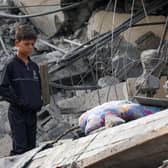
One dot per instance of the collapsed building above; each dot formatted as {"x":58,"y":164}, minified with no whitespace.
{"x":94,"y":54}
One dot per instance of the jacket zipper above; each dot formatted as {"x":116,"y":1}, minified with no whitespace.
{"x":27,"y":67}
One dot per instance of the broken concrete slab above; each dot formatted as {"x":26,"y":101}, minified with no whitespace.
{"x":77,"y":68}
{"x":148,"y":84}
{"x":48,"y":24}
{"x":79,"y":104}
{"x":51,"y":57}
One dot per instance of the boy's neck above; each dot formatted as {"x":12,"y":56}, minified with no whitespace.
{"x":24,"y":58}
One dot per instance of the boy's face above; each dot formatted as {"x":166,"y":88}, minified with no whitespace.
{"x":25,"y":47}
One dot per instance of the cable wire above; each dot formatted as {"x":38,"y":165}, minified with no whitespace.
{"x":2,"y":14}
{"x":112,"y":48}
{"x":32,"y":6}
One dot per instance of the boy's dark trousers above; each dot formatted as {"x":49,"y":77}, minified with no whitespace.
{"x":23,"y":129}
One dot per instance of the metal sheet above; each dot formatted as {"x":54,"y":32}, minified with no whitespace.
{"x":152,"y":101}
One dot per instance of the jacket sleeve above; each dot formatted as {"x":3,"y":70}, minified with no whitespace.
{"x":6,"y":91}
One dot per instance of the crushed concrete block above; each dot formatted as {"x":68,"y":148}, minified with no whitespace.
{"x":131,"y":87}
{"x":82,"y":92}
{"x":148,"y":41}
{"x":161,"y":92}
{"x":147,"y":83}
{"x":107,"y":81}
{"x":71,"y":118}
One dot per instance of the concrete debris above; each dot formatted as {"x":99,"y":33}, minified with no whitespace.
{"x":50,"y":57}
{"x":51,"y":45}
{"x":6,"y":145}
{"x":79,"y":104}
{"x":4,"y":128}
{"x":77,"y":68}
{"x":107,"y":81}
{"x":148,"y":84}
{"x":162,"y":92}
{"x":149,"y":60}
{"x":41,"y":47}
{"x":164,"y":165}
{"x":148,"y":41}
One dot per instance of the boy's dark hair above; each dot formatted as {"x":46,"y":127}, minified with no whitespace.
{"x":25,"y":32}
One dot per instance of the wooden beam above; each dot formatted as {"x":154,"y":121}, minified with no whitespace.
{"x":45,"y":83}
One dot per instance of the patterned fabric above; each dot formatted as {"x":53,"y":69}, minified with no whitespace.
{"x":119,"y":112}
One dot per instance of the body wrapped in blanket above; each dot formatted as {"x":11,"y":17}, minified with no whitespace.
{"x":117,"y":111}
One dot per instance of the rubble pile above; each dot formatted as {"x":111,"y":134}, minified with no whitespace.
{"x":164,"y":165}
{"x":84,"y":71}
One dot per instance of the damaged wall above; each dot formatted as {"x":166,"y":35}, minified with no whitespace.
{"x":102,"y":22}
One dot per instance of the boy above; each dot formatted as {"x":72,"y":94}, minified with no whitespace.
{"x":20,"y":86}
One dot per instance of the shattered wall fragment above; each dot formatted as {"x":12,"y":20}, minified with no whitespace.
{"x":48,"y":24}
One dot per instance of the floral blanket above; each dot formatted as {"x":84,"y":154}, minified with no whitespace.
{"x":118,"y":112}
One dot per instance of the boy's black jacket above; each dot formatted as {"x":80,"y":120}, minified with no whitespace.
{"x":20,"y":84}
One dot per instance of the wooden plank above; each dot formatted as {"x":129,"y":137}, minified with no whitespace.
{"x":45,"y":83}
{"x":148,"y":155}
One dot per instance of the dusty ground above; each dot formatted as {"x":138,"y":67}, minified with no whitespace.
{"x":5,"y":145}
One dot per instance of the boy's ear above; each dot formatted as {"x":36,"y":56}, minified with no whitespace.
{"x":17,"y":43}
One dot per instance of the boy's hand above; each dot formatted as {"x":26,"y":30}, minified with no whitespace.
{"x":21,"y":103}
{"x":25,"y":106}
